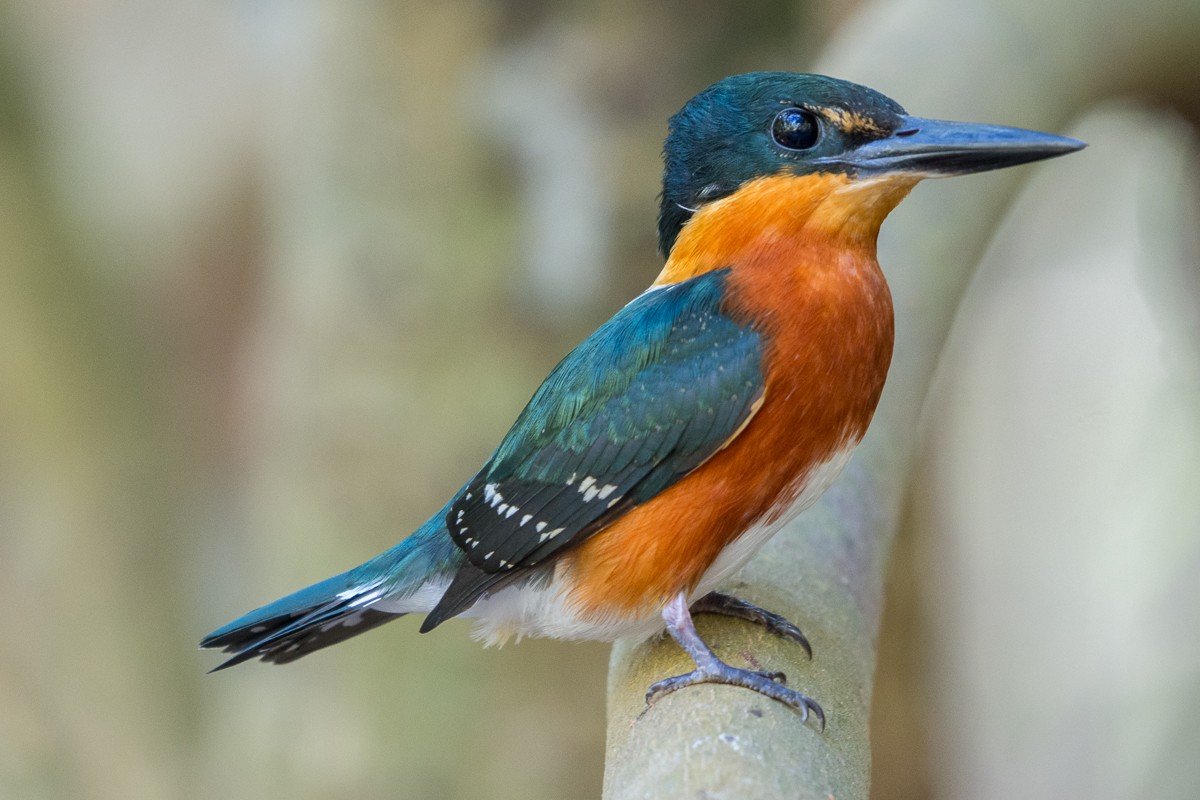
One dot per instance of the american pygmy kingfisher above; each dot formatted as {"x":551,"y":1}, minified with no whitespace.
{"x":664,"y":450}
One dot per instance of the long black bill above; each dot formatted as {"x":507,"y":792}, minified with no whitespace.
{"x":935,"y":148}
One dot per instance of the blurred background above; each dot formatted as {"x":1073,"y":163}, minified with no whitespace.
{"x":276,"y":276}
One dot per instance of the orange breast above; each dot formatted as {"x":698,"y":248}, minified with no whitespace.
{"x":802,"y":252}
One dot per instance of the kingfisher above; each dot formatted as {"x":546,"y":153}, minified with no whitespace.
{"x":663,"y":451}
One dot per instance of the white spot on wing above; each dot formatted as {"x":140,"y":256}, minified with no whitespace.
{"x":586,"y":483}
{"x":608,"y":489}
{"x":549,"y":535}
{"x":526,"y":518}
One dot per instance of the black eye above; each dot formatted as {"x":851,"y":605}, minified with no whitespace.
{"x":795,"y":129}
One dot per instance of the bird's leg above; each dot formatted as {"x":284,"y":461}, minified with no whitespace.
{"x":710,"y":669}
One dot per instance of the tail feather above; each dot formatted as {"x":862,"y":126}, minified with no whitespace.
{"x":343,"y":606}
{"x":278,"y":636}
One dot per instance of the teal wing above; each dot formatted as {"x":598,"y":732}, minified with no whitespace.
{"x":646,"y":399}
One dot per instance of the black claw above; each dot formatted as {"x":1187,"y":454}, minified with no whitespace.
{"x":816,"y":709}
{"x":730,"y":606}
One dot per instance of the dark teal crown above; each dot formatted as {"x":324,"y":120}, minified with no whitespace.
{"x":732,"y":132}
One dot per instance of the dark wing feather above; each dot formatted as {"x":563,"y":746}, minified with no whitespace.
{"x":646,"y":399}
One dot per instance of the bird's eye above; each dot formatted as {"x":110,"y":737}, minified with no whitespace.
{"x":795,"y":129}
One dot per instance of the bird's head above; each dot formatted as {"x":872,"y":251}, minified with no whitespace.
{"x":771,"y":123}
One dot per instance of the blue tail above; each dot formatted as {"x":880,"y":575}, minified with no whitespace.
{"x":342,"y":606}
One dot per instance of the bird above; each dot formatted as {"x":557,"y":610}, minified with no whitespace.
{"x":662,"y":452}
